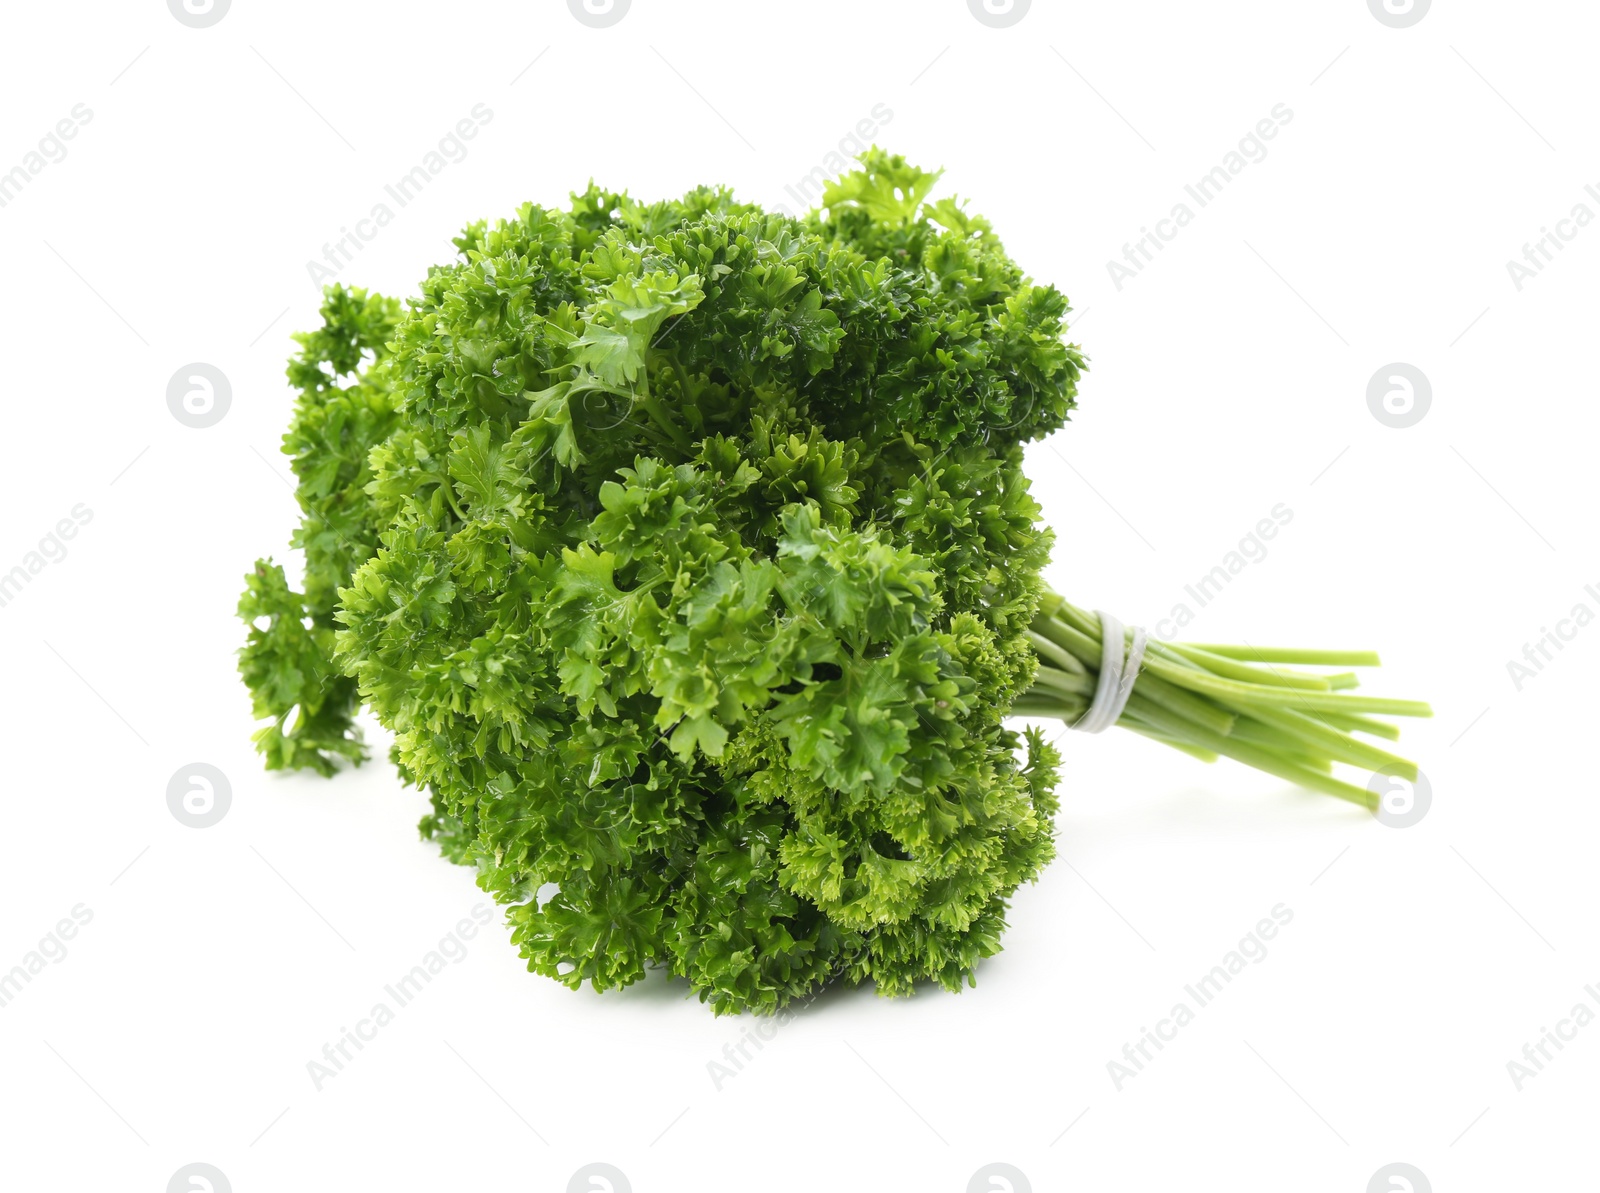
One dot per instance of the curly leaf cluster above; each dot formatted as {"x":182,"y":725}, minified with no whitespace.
{"x":686,"y":550}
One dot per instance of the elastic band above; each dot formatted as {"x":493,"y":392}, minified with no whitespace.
{"x":1117,"y":676}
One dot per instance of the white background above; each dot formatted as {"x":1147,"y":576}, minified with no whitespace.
{"x":1229,"y":376}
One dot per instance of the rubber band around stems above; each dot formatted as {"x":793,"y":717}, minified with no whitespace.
{"x":1117,"y":675}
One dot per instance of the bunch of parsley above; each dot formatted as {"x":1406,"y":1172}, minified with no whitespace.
{"x":686,"y":550}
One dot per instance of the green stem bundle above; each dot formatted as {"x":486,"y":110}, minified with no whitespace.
{"x":1227,"y":701}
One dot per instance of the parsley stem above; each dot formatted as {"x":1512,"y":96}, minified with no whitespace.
{"x":1226,"y":701}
